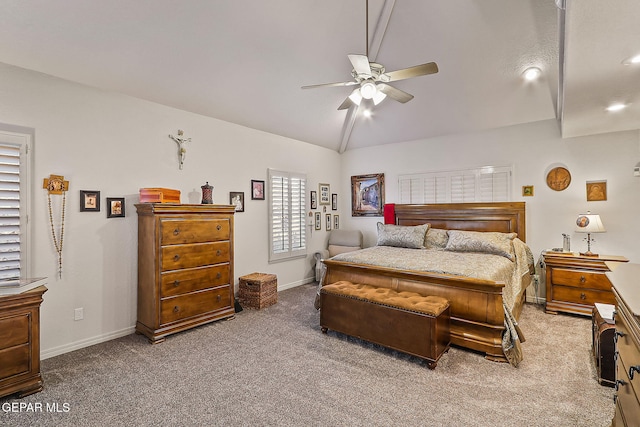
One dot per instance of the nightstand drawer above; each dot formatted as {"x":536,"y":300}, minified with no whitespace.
{"x":581,"y":296}
{"x":580,"y":279}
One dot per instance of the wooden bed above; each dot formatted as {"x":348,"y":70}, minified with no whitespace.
{"x":477,"y":313}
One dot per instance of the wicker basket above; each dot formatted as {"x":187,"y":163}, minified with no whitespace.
{"x":258,"y":290}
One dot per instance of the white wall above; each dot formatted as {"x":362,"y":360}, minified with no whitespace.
{"x":532,"y":149}
{"x":116,"y":144}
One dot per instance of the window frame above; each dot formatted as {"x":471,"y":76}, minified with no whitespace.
{"x":292,"y":207}
{"x":22,"y":138}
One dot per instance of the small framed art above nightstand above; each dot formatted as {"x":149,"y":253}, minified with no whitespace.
{"x":575,"y":282}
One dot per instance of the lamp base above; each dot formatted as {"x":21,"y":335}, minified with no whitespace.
{"x":588,"y":253}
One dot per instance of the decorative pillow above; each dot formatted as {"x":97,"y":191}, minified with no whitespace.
{"x":402,"y":236}
{"x":486,"y":242}
{"x":436,"y":238}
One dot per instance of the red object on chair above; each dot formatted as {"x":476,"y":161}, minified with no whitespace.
{"x":390,"y":213}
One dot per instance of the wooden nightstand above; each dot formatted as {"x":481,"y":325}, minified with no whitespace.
{"x":575,"y":283}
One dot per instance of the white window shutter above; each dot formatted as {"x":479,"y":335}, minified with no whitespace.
{"x":10,"y":216}
{"x":287,"y":219}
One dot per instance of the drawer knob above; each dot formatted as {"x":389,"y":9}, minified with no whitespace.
{"x":176,"y":231}
{"x":176,"y":283}
{"x":633,"y":370}
{"x":218,"y":252}
{"x":218,"y":276}
{"x":219,"y":227}
{"x":583,"y":279}
{"x":619,"y":383}
{"x":176,"y":257}
{"x":176,"y":309}
{"x":218,"y":298}
{"x":618,"y":335}
{"x":583,"y":296}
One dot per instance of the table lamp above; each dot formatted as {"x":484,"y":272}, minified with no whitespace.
{"x":589,"y":223}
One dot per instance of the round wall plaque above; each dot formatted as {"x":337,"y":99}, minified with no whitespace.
{"x":558,"y":178}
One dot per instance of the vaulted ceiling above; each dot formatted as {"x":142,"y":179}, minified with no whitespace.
{"x":244,"y":61}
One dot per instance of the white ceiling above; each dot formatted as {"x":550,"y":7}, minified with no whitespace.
{"x":244,"y":61}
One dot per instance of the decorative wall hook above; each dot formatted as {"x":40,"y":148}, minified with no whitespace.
{"x":182,"y":150}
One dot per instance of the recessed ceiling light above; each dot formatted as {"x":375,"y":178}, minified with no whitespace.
{"x":532,"y":73}
{"x":616,"y":107}
{"x":632,"y":60}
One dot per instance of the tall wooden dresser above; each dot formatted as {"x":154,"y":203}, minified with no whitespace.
{"x":20,"y":343}
{"x":626,"y":288}
{"x":185,"y":267}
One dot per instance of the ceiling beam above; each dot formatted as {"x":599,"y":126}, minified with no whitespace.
{"x":374,"y":48}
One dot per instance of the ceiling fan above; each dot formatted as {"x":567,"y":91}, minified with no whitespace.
{"x":372,"y":78}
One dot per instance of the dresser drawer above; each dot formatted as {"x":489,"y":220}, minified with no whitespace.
{"x":580,"y":278}
{"x":184,"y":281}
{"x":14,"y":360}
{"x":14,"y":330}
{"x":188,"y":256}
{"x":581,"y":296}
{"x":626,"y":395}
{"x":628,"y":353}
{"x":180,"y":231}
{"x":194,"y":304}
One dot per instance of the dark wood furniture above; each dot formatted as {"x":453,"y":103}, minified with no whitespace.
{"x":626,"y":288}
{"x":574,"y":282}
{"x":185,"y":267}
{"x":603,"y":346}
{"x":477,"y":313}
{"x":20,"y":343}
{"x":421,"y":328}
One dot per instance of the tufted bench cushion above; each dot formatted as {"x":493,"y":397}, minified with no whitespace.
{"x":412,"y":301}
{"x":405,"y":321}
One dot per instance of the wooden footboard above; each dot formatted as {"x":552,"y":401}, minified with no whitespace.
{"x":477,"y":314}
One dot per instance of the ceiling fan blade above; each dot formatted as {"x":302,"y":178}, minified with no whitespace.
{"x":345,"y":104}
{"x":330,"y":85}
{"x":360,"y":64}
{"x":418,"y":70}
{"x":397,"y":94}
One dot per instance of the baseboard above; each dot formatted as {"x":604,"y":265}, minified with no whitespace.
{"x":535,"y":299}
{"x":77,"y":345}
{"x":295,"y":284}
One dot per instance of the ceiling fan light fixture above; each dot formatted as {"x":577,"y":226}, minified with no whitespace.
{"x":616,"y":107}
{"x":368,"y":90}
{"x":531,"y":74}
{"x":379,"y":97}
{"x":634,"y":60}
{"x":355,"y":97}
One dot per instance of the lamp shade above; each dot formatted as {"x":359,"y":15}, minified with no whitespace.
{"x":589,"y":223}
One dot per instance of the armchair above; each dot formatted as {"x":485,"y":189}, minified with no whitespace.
{"x":339,"y":241}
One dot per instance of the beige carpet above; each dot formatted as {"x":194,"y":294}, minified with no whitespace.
{"x":275,"y":367}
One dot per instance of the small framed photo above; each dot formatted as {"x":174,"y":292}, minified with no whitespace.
{"x":115,"y":207}
{"x":596,"y":191}
{"x":325,"y":194}
{"x":236,"y":198}
{"x":318,"y":221}
{"x":314,"y":200}
{"x":89,"y":201}
{"x":527,"y":190}
{"x":336,"y":222}
{"x":257,"y":190}
{"x":334,"y":202}
{"x":328,"y":222}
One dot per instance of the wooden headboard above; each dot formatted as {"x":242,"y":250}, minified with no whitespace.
{"x":505,"y":217}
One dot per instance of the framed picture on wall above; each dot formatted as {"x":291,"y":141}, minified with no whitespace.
{"x":367,"y":195}
{"x":257,"y":190}
{"x":89,"y":201}
{"x":336,"y":222}
{"x":314,"y":200}
{"x":324,"y":194}
{"x":328,"y":222}
{"x":236,"y":198}
{"x":334,"y":202}
{"x":318,"y":221}
{"x":115,"y":207}
{"x":596,"y":191}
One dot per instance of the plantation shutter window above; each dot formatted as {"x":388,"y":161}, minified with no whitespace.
{"x":485,"y":184}
{"x":287,"y":219}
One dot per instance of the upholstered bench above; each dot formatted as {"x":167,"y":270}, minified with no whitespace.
{"x":404,"y":321}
